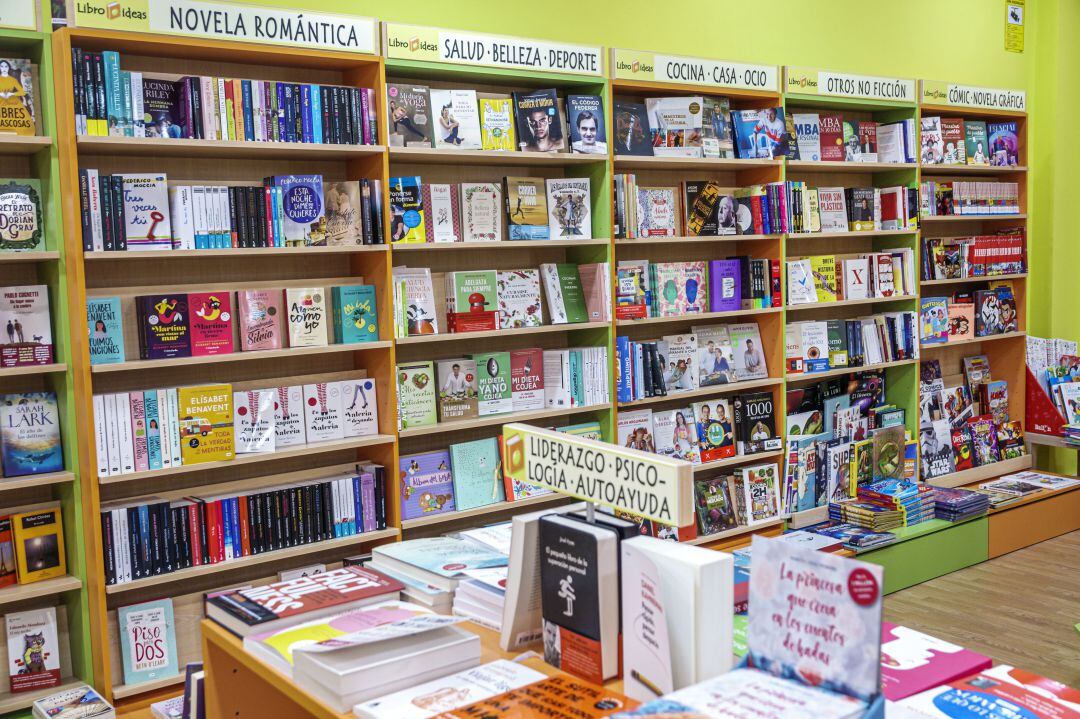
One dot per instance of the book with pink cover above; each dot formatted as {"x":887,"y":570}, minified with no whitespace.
{"x":1001,"y":692}
{"x":912,"y":662}
{"x":211,"y":323}
{"x":260,"y":319}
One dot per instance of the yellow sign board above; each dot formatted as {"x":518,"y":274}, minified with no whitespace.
{"x":21,"y":14}
{"x":655,"y":67}
{"x":1014,"y":25}
{"x":935,"y":92}
{"x":804,"y":81}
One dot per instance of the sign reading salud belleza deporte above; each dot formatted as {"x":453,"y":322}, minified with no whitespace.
{"x":804,"y":81}
{"x":988,"y":98}
{"x":232,"y":21}
{"x":641,"y":483}
{"x":458,"y":47}
{"x":655,"y":67}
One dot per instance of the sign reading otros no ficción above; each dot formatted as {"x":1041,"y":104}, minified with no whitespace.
{"x":803,"y":81}
{"x":232,"y":21}
{"x":431,"y":44}
{"x":988,"y":98}
{"x":641,"y":483}
{"x":653,"y":67}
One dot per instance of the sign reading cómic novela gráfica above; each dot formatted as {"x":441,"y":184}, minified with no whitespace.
{"x":935,"y":92}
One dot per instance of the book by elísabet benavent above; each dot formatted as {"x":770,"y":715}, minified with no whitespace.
{"x":106,"y":330}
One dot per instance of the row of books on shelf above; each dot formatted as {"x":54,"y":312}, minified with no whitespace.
{"x":481,"y":300}
{"x":181,"y":426}
{"x":679,"y":289}
{"x":831,"y":278}
{"x":709,"y":355}
{"x":25,"y":309}
{"x":830,"y":137}
{"x":748,"y":497}
{"x":145,"y":212}
{"x":20,"y":214}
{"x":804,"y":209}
{"x":824,"y":345}
{"x":967,"y":425}
{"x":486,"y":384}
{"x":30,"y":441}
{"x":968,"y":198}
{"x":699,"y":126}
{"x":964,"y":315}
{"x":32,"y":545}
{"x":465,"y":119}
{"x":148,"y":539}
{"x":110,"y":101}
{"x":520,"y":208}
{"x":200,"y":324}
{"x":960,"y":141}
{"x":953,"y":258}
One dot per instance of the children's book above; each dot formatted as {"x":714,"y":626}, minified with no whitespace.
{"x":148,"y":641}
{"x":427,"y":485}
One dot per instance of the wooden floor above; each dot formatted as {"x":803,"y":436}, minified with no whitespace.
{"x":1019,"y":609}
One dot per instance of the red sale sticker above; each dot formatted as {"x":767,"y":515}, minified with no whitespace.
{"x":862,"y":587}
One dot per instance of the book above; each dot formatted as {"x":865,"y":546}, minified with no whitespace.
{"x":30,"y":441}
{"x":563,"y":290}
{"x":716,"y":361}
{"x":760,"y":133}
{"x":206,"y":429}
{"x":527,"y":379}
{"x":147,"y":641}
{"x":22,"y":227}
{"x":356,"y":317}
{"x":322,"y":412}
{"x":954,"y":151}
{"x":38,"y":536}
{"x":912,"y":662}
{"x":569,"y":205}
{"x":716,"y":128}
{"x":29,"y":328}
{"x":675,"y":434}
{"x":415,"y":301}
{"x":289,"y":427}
{"x":302,"y":209}
{"x":808,"y":136}
{"x":457,"y":389}
{"x":539,"y":122}
{"x":106,"y":330}
{"x":211,"y":323}
{"x":557,"y":696}
{"x":161,"y":108}
{"x":416,"y":395}
{"x":1002,"y":688}
{"x":976,"y":149}
{"x":932,"y":150}
{"x":832,"y":209}
{"x":725,"y":285}
{"x":823,"y":268}
{"x":680,"y":288}
{"x":755,"y":423}
{"x":657,"y":212}
{"x":709,"y":210}
{"x":801,"y":288}
{"x":714,"y":505}
{"x":526,"y":208}
{"x":145,"y":212}
{"x":715,"y":430}
{"x":19,"y":109}
{"x":519,"y":300}
{"x":409,"y":116}
{"x":427,"y":484}
{"x":172,"y":708}
{"x":746,"y":349}
{"x":440,"y":561}
{"x":760,"y":492}
{"x":1002,"y":143}
{"x":586,"y":118}
{"x":253,"y":421}
{"x":260,"y":319}
{"x":493,"y":383}
{"x":934,"y":316}
{"x":164,"y":326}
{"x":497,"y":123}
{"x":307,"y":320}
{"x":359,"y":407}
{"x":33,"y":649}
{"x":831,"y":137}
{"x":477,"y":471}
{"x":675,"y":125}
{"x":631,"y":129}
{"x":481,"y":212}
{"x":455,"y":119}
{"x":345,"y":215}
{"x":78,"y":703}
{"x":635,"y":430}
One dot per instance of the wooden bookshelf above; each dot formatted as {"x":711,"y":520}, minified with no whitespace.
{"x":737,"y":460}
{"x":122,"y":691}
{"x":970,"y":169}
{"x":41,"y":256}
{"x":698,"y":317}
{"x":8,"y":484}
{"x":847,"y":168}
{"x":735,"y":532}
{"x":222,"y":149}
{"x":841,"y":371}
{"x":281,"y":354}
{"x":480,"y":512}
{"x":984,"y":473}
{"x":498,"y":420}
{"x":853,"y":234}
{"x":496,"y":246}
{"x":25,"y":700}
{"x":33,"y":369}
{"x":245,"y":252}
{"x":934,"y":219}
{"x":711,"y":391}
{"x":941,"y":346}
{"x":973,"y":280}
{"x":702,"y":239}
{"x":23,"y":145}
{"x":45,"y":588}
{"x":442,"y":156}
{"x":489,"y":334}
{"x":850,"y":303}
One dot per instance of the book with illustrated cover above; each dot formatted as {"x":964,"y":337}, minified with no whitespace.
{"x":932,"y":149}
{"x":557,"y":696}
{"x":161,"y":108}
{"x":253,"y":421}
{"x":25,"y":310}
{"x":206,"y":428}
{"x":935,"y":449}
{"x":307,"y":318}
{"x":30,"y":434}
{"x":715,"y":509}
{"x":934,"y":320}
{"x":761,"y":492}
{"x":38,"y":538}
{"x":497,"y":123}
{"x":409,"y":116}
{"x":289,"y":426}
{"x":755,"y":423}
{"x":427,"y":484}
{"x":725,"y":285}
{"x":519,"y":300}
{"x":472,"y":295}
{"x":356,"y":317}
{"x":631,"y":129}
{"x":260,"y":319}
{"x":407,"y":210}
{"x":961,"y":321}
{"x":148,"y":641}
{"x":415,"y":301}
{"x":457,"y":389}
{"x":569,"y":205}
{"x":302,"y":209}
{"x":801,"y":288}
{"x":481,"y":211}
{"x":455,"y":119}
{"x":675,"y":125}
{"x":33,"y":649}
{"x":823,"y":268}
{"x":709,"y":211}
{"x":164,"y":330}
{"x":344,"y":203}
{"x":954,"y":150}
{"x":416,"y":395}
{"x":658,"y":212}
{"x":322,"y":412}
{"x":586,"y":118}
{"x":442,"y":212}
{"x":146,"y":212}
{"x":984,"y":440}
{"x":912,"y":662}
{"x":18,"y":115}
{"x":106,"y":330}
{"x":493,"y":383}
{"x":1010,"y":440}
{"x":22,"y":227}
{"x":761,"y":134}
{"x":477,"y":470}
{"x":211,"y":323}
{"x":78,"y":703}
{"x":1003,"y":145}
{"x":976,"y":149}
{"x":564,"y":294}
{"x":539,"y":122}
{"x":359,"y":407}
{"x":715,"y":429}
{"x":681,"y":288}
{"x":526,"y":208}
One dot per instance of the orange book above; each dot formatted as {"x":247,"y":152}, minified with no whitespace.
{"x":238,"y":108}
{"x":558,"y":696}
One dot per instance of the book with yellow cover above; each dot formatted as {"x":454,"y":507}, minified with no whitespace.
{"x":496,"y":122}
{"x":206,"y":423}
{"x":38,"y":534}
{"x":824,"y":270}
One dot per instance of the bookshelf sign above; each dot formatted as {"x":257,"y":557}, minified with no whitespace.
{"x":21,"y":14}
{"x":988,"y":98}
{"x":653,"y":67}
{"x":803,"y":81}
{"x":629,"y":480}
{"x":232,"y":21}
{"x":457,"y":47}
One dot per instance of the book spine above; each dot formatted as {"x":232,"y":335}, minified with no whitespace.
{"x":106,"y":204}
{"x":101,"y":439}
{"x":249,"y":116}
{"x":138,"y":431}
{"x":119,"y":219}
{"x":77,"y":96}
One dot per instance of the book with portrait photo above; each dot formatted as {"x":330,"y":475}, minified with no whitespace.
{"x":539,"y":121}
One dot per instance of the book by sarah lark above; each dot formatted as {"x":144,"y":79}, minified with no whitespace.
{"x":30,"y":434}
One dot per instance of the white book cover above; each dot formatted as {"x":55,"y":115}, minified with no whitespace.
{"x":442,"y":219}
{"x":174,"y":427}
{"x":856,"y":274}
{"x":808,"y":135}
{"x":675,"y":434}
{"x":481,"y":211}
{"x":814,"y":340}
{"x":95,"y":209}
{"x":679,"y":373}
{"x":519,"y":298}
{"x":793,"y":353}
{"x":890,"y":142}
{"x":359,"y":408}
{"x":163,"y":423}
{"x":419,"y":298}
{"x":182,"y":217}
{"x":209,"y":117}
{"x":748,"y":351}
{"x":289,"y":423}
{"x":33,"y":649}
{"x":635,"y":430}
{"x":146,"y":212}
{"x":253,"y":421}
{"x":800,"y":282}
{"x":456,"y":119}
{"x":125,"y":434}
{"x":832,"y":209}
{"x":101,"y":438}
{"x":138,"y":115}
{"x":222,"y":112}
{"x":569,"y":202}
{"x":675,"y":123}
{"x":557,"y":378}
{"x":549,"y":271}
{"x":307,"y":316}
{"x":322,"y":412}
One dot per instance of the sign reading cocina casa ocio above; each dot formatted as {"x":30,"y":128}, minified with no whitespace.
{"x":629,"y":480}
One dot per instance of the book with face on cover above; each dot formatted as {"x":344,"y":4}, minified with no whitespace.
{"x":409,"y":116}
{"x":106,"y":330}
{"x":457,"y":389}
{"x":455,"y":119}
{"x":539,"y":122}
{"x":569,"y":205}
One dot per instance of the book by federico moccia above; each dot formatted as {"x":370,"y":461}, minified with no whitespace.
{"x":25,"y":312}
{"x":21,"y":225}
{"x":30,"y":434}
{"x":146,"y":212}
{"x":148,"y":641}
{"x":302,"y":208}
{"x":17,"y":106}
{"x":33,"y":649}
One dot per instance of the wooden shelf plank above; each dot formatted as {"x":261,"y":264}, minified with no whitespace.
{"x":123,"y":691}
{"x":48,"y":587}
{"x":220,"y":149}
{"x":25,"y":700}
{"x":475,"y":422}
{"x":851,"y":233}
{"x":971,"y":341}
{"x":840,"y":371}
{"x":736,"y":460}
{"x":504,"y":245}
{"x":481,"y":511}
{"x":696,"y":239}
{"x":966,"y":280}
{"x":848,"y":167}
{"x":22,"y":144}
{"x":33,"y":369}
{"x":701,"y":316}
{"x":849,"y":303}
{"x":42,"y":256}
{"x":714,"y":164}
{"x":734,"y":532}
{"x":432,"y":156}
{"x":253,"y":560}
{"x":971,"y":218}
{"x":35,"y":480}
{"x":983,"y":473}
{"x":133,"y":365}
{"x":705,"y":392}
{"x":234,"y":252}
{"x":298,"y":451}
{"x":798,"y":520}
{"x":970,"y":169}
{"x":487,"y":334}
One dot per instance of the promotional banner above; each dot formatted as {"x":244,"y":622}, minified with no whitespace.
{"x":432,"y":44}
{"x":629,"y":480}
{"x":232,"y":21}
{"x":653,"y":67}
{"x":805,"y":81}
{"x":21,"y":14}
{"x":988,"y":98}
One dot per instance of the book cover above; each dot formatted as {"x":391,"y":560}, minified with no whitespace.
{"x":497,"y":123}
{"x":289,"y":426}
{"x":161,"y":108}
{"x":19,"y":114}
{"x":1002,"y":143}
{"x":359,"y":407}
{"x":635,"y":430}
{"x":675,"y":125}
{"x":932,"y":150}
{"x":675,"y":434}
{"x":823,"y":268}
{"x":912,"y":662}
{"x":715,"y":431}
{"x":961,"y":321}
{"x":409,"y":116}
{"x":206,"y":429}
{"x":564,"y":293}
{"x":715,"y":509}
{"x":936,"y":449}
{"x":33,"y":649}
{"x":356,"y":317}
{"x":569,"y":204}
{"x":1000,"y":690}
{"x":678,"y":370}
{"x":715,"y":128}
{"x":631,"y":129}
{"x":725,"y":285}
{"x":455,"y":119}
{"x":418,"y":298}
{"x":8,"y":569}
{"x":22,"y":226}
{"x":586,"y":117}
{"x":78,"y":703}
{"x":457,"y":389}
{"x":30,"y":434}
{"x":253,"y":421}
{"x":709,"y":210}
{"x":481,"y":212}
{"x":934,"y":320}
{"x":407,"y":210}
{"x":954,"y":151}
{"x":442,"y":212}
{"x":761,"y":134}
{"x":472,"y":295}
{"x":307,"y":316}
{"x":596,"y":286}
{"x":211,"y":323}
{"x":527,"y":379}
{"x":106,"y":330}
{"x":860,"y":207}
{"x":539,"y":122}
{"x":716,"y":361}
{"x":29,"y":327}
{"x":344,"y":213}
{"x":747,"y":350}
{"x":976,"y":149}
{"x":148,"y":641}
{"x":427,"y":484}
{"x":680,"y":288}
{"x":165,"y":326}
{"x":416,"y":395}
{"x":146,"y":212}
{"x":808,"y":136}
{"x":558,"y":696}
{"x":38,"y":536}
{"x":260,"y":319}
{"x":755,"y":422}
{"x":831,"y":137}
{"x":832,"y":209}
{"x":761,"y":492}
{"x":302,"y":209}
{"x":493,"y":383}
{"x":322,"y":412}
{"x":526,"y":208}
{"x":519,"y":300}
{"x":801,"y":288}
{"x":657,"y":212}
{"x":477,"y":471}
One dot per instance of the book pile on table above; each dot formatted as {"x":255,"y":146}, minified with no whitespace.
{"x":78,"y":703}
{"x":854,"y":537}
{"x":997,"y":499}
{"x":866,"y":514}
{"x":916,"y":500}
{"x":956,"y":505}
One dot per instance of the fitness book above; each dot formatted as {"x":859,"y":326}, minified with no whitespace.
{"x":409,"y":115}
{"x":407,"y":210}
{"x":539,"y":122}
{"x":497,"y":122}
{"x":455,"y":119}
{"x":526,"y":208}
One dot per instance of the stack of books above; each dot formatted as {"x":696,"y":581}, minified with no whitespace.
{"x":956,"y":505}
{"x":854,"y":537}
{"x":997,"y":499}
{"x":864,"y":514}
{"x":916,"y":501}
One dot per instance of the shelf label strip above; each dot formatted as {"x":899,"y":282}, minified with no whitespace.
{"x":233,"y":21}
{"x":804,"y":81}
{"x":654,"y":67}
{"x":935,"y":92}
{"x":457,"y":47}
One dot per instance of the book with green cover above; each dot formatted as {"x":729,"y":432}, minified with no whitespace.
{"x":565,"y":297}
{"x":471,"y":291}
{"x":356,"y":318}
{"x":493,"y":383}
{"x":477,"y":473}
{"x":21,"y":225}
{"x":416,"y":395}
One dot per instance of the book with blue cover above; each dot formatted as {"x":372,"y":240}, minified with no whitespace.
{"x":427,"y":485}
{"x":106,"y":330}
{"x":30,"y":434}
{"x":356,"y":317}
{"x":303,"y":209}
{"x":442,"y":556}
{"x":148,"y":641}
{"x":477,"y":473}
